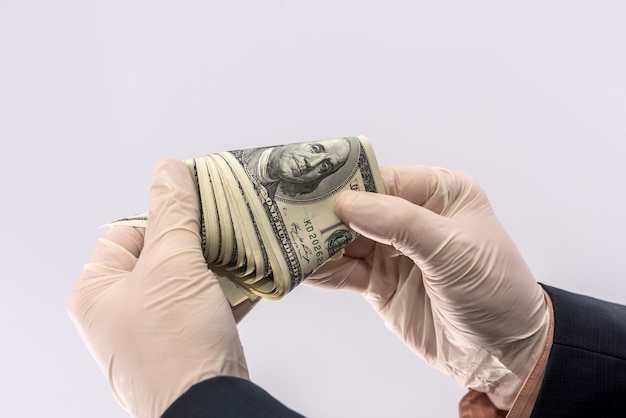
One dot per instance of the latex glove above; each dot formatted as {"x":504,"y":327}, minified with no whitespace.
{"x":435,"y":263}
{"x":150,"y":312}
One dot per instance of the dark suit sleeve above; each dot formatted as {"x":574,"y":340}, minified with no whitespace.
{"x":228,"y":397}
{"x":586,"y":371}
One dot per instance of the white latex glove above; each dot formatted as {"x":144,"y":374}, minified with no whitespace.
{"x":435,"y":263}
{"x":150,"y":312}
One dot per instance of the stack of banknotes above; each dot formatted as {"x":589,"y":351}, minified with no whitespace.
{"x":267,"y":219}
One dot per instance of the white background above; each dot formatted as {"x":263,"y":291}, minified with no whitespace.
{"x":528,"y":97}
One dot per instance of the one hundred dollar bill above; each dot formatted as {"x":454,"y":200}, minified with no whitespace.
{"x":267,"y":219}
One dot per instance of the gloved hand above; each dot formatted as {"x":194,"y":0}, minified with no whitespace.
{"x":435,"y":263}
{"x":149,"y":310}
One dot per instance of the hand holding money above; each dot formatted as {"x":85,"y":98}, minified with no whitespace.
{"x":267,"y":219}
{"x":150,"y":312}
{"x":446,"y":278}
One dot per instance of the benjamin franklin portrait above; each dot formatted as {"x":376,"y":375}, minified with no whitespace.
{"x":296,"y":169}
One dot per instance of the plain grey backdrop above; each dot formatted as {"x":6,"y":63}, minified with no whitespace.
{"x":528,"y":97}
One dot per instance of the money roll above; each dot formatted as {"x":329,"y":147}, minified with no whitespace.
{"x":267,"y":219}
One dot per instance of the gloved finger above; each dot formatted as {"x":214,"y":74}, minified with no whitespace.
{"x":114,"y":257}
{"x":359,"y":248}
{"x":118,"y":249}
{"x":173,"y":232}
{"x":411,"y":229}
{"x":436,"y":189}
{"x":241,"y":310}
{"x":347,"y":273}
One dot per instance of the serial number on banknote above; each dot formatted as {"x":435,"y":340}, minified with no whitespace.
{"x":308,"y":245}
{"x":315,"y":242}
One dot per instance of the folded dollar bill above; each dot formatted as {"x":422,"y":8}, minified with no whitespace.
{"x":267,"y":219}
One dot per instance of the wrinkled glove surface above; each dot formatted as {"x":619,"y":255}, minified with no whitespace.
{"x":150,"y":312}
{"x":436,"y":264}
